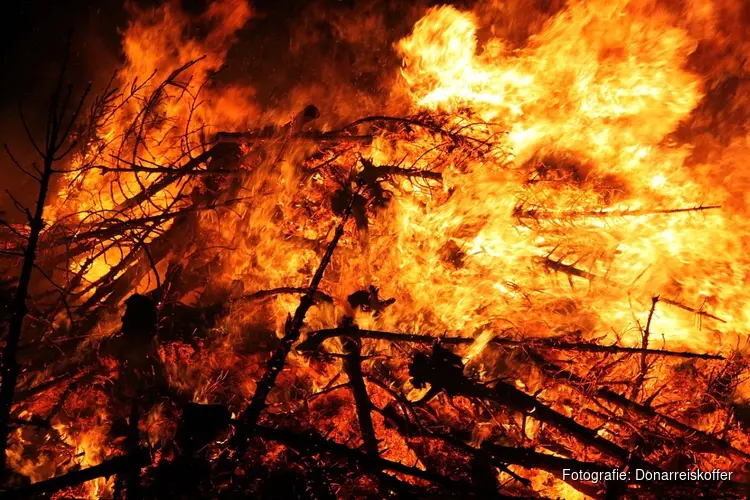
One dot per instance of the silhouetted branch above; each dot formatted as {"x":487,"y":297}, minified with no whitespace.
{"x":107,"y":468}
{"x":292,"y":331}
{"x":55,"y":137}
{"x":314,"y":339}
{"x":353,"y":367}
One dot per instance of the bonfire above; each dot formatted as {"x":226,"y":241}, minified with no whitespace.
{"x":513,"y":267}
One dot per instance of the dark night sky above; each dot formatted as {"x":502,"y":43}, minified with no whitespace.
{"x":32,"y":34}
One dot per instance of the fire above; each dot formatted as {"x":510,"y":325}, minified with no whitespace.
{"x":541,"y":191}
{"x":157,"y":118}
{"x":597,"y":91}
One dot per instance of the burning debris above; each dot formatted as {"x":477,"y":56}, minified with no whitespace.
{"x":521,"y":265}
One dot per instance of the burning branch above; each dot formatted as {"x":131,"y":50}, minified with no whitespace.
{"x":319,"y":137}
{"x":521,"y":212}
{"x":507,"y":395}
{"x":293,"y":325}
{"x":645,"y":333}
{"x":320,"y":296}
{"x":314,"y":339}
{"x":693,"y":310}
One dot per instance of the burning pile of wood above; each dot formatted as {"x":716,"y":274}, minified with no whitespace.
{"x":257,"y":355}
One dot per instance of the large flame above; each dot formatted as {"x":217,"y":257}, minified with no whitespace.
{"x":587,"y":201}
{"x":594,"y":97}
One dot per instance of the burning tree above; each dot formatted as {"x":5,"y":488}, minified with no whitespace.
{"x":522,"y":272}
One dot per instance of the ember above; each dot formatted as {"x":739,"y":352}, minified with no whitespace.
{"x":489,"y":251}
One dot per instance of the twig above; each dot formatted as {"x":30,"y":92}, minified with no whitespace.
{"x":255,"y":136}
{"x":570,"y":270}
{"x":409,"y":172}
{"x":529,"y":458}
{"x":261,"y":294}
{"x":43,"y":386}
{"x":166,"y":180}
{"x":56,"y":134}
{"x":645,"y":334}
{"x":691,"y":309}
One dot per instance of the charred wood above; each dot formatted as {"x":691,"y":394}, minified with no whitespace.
{"x":319,"y":137}
{"x":261,"y":294}
{"x":443,"y":371}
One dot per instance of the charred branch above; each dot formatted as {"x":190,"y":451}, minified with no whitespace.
{"x":113,"y":227}
{"x":353,"y":367}
{"x":409,"y":172}
{"x":693,"y":310}
{"x":43,"y":386}
{"x":506,"y":395}
{"x":646,"y":332}
{"x":531,"y":459}
{"x":292,"y":331}
{"x":167,"y":179}
{"x":443,"y":371}
{"x":318,"y":137}
{"x":262,"y":294}
{"x":314,"y":339}
{"x":571,"y":270}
